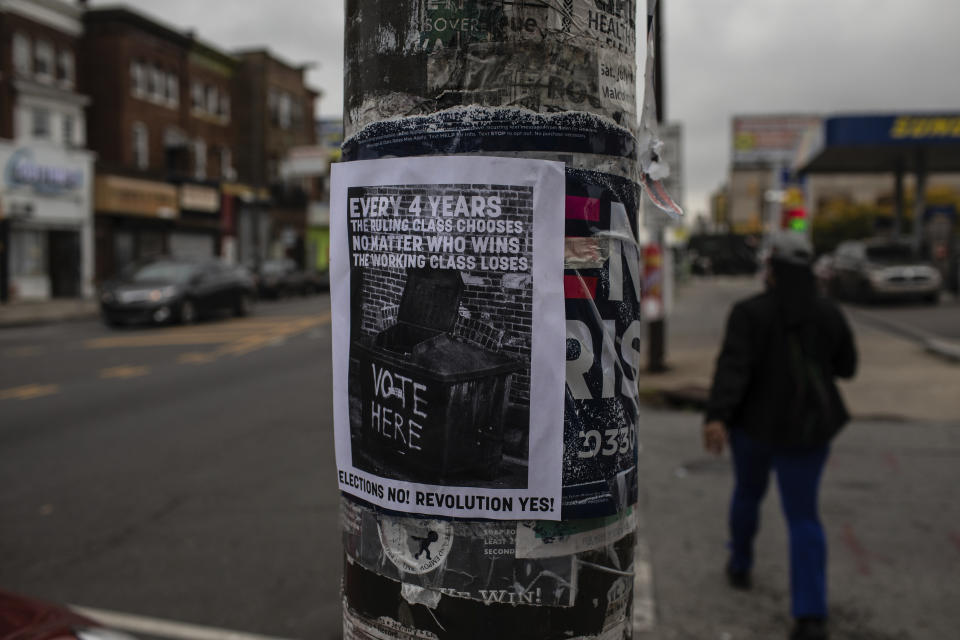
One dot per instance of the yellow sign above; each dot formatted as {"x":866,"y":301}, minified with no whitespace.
{"x":197,"y":198}
{"x":916,"y":128}
{"x":131,"y":197}
{"x":793,"y":198}
{"x":238,"y":190}
{"x":744,"y":141}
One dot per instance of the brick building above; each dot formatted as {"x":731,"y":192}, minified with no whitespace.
{"x":275,"y":115}
{"x":162,"y":124}
{"x":46,"y":247}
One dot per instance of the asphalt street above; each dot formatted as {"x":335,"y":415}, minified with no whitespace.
{"x":181,"y":473}
{"x":942,"y":320}
{"x":186,"y":474}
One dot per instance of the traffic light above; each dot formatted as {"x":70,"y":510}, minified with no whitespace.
{"x":794,"y":219}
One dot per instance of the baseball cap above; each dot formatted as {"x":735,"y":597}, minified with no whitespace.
{"x":792,"y":248}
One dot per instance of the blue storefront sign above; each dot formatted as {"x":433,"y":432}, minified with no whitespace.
{"x":22,"y":171}
{"x":893,"y":130}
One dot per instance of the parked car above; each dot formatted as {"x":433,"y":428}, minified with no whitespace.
{"x":170,"y":290}
{"x":723,"y":254}
{"x":882,"y":269}
{"x":319,"y":281}
{"x":278,"y":278}
{"x":27,"y":619}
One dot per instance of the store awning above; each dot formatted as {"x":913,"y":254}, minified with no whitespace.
{"x":881,"y":144}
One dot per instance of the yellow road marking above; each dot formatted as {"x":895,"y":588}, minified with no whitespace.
{"x":234,"y":337}
{"x":124,"y":373}
{"x":196,"y":358}
{"x":232,"y":331}
{"x":29,"y":392}
{"x":164,"y":340}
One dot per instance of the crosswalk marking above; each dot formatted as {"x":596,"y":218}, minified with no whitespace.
{"x":29,"y":392}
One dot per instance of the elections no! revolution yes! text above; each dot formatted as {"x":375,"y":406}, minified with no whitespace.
{"x":444,"y":500}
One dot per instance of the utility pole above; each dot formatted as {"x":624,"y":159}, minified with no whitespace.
{"x":4,"y":258}
{"x":432,"y":86}
{"x":919,"y":202}
{"x":657,"y":325}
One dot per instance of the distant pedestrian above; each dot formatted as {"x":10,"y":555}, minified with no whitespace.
{"x":775,"y":401}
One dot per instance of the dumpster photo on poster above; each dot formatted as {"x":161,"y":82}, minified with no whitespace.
{"x":449,"y":336}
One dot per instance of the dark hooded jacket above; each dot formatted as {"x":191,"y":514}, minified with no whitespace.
{"x":775,"y":376}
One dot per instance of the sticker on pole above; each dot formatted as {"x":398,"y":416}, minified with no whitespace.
{"x":448,"y":325}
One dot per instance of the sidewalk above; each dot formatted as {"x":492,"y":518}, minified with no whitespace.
{"x":892,"y":534}
{"x":19,"y":314}
{"x":897,"y":378}
{"x":948,"y":349}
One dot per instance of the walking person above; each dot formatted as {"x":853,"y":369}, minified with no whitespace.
{"x":775,"y":402}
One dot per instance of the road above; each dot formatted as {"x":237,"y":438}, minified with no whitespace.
{"x":186,"y":474}
{"x":181,"y":473}
{"x":942,"y":321}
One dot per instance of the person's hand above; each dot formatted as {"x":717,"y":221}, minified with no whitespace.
{"x":714,"y":437}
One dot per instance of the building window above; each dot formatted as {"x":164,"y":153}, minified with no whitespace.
{"x":213,"y":98}
{"x":22,"y":55}
{"x":196,"y":96}
{"x":65,"y":68}
{"x":225,"y":107}
{"x":226,"y":164}
{"x":199,"y":159}
{"x":68,"y":128}
{"x":138,"y":80}
{"x":43,"y":60}
{"x":173,"y":89}
{"x":296,"y":114}
{"x":41,"y":123}
{"x":159,"y":82}
{"x":147,"y":85}
{"x":176,"y":151}
{"x":272,"y":107}
{"x":284,"y":110}
{"x":141,"y":146}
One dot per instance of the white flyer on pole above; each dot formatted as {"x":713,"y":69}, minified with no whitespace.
{"x":449,"y":341}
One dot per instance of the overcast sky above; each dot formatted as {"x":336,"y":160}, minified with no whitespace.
{"x":723,"y":57}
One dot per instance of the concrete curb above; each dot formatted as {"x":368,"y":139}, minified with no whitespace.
{"x":28,"y":317}
{"x":943,"y":348}
{"x":694,"y":398}
{"x":946,"y":349}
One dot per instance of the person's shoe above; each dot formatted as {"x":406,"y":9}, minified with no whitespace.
{"x":809,"y":629}
{"x":738,"y":578}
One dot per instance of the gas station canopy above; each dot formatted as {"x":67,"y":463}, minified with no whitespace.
{"x":928,"y":143}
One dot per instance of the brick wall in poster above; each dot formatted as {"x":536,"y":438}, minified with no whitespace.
{"x":496,"y":308}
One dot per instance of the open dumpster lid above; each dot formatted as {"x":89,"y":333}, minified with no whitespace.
{"x":431,"y":298}
{"x":882,"y":143}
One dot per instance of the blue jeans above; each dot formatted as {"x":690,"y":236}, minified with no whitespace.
{"x":798,"y":477}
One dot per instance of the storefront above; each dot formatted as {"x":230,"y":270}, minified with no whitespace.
{"x":196,"y":235}
{"x":134,"y":221}
{"x":318,"y":237}
{"x":246,"y":224}
{"x":46,"y":235}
